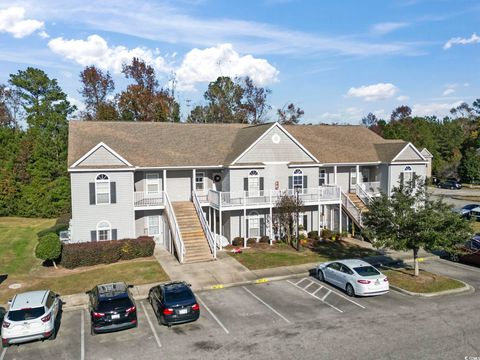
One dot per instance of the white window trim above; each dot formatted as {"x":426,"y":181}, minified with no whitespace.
{"x":406,"y":170}
{"x":97,"y":181}
{"x":297,"y":173}
{"x":109,"y":228}
{"x":256,"y":217}
{"x":155,"y":180}
{"x":198,"y":174}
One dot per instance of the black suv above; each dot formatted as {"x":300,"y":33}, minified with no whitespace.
{"x":112,"y":308}
{"x":450,"y":184}
{"x":174,"y":303}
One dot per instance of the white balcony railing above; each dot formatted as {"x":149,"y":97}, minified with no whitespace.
{"x":142,"y":199}
{"x":270,"y":197}
{"x":371,"y":188}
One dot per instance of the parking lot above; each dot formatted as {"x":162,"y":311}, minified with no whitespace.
{"x":295,"y":318}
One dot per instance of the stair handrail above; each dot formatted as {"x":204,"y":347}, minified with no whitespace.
{"x":172,"y":220}
{"x":352,"y":208}
{"x":203,"y":221}
{"x":362,"y":194}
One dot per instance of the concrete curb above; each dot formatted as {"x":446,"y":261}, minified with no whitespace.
{"x":465,"y":289}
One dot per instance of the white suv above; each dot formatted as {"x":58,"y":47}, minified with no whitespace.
{"x":32,"y":316}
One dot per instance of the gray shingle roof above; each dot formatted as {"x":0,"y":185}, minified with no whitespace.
{"x":147,"y":144}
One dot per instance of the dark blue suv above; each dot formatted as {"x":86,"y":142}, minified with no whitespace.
{"x":112,"y":308}
{"x":174,"y":303}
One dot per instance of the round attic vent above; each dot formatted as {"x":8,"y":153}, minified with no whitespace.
{"x":275,"y":138}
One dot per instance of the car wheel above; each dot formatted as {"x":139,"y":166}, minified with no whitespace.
{"x":349,"y":290}
{"x":454,"y":257}
{"x":320,"y":275}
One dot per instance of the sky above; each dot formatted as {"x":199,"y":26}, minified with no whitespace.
{"x":337,"y":60}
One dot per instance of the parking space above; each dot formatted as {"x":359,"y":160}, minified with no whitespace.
{"x":226,"y":316}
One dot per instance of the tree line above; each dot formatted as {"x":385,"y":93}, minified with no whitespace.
{"x":454,"y":141}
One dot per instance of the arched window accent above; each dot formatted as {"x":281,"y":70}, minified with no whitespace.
{"x":407,"y":168}
{"x":253,"y":183}
{"x":298,"y":179}
{"x":102,"y":189}
{"x":104,"y":230}
{"x":406,"y":175}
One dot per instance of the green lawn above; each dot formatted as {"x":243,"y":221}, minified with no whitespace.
{"x":424,"y":283}
{"x":282,"y":255}
{"x":18,"y":237}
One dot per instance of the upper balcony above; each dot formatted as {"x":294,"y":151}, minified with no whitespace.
{"x":145,"y":201}
{"x":268,"y":198}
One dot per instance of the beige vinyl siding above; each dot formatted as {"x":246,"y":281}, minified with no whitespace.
{"x":408,"y":154}
{"x":266,"y":150}
{"x":101,"y":157}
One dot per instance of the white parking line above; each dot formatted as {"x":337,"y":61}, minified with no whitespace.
{"x":343,"y":296}
{"x":325,"y":296}
{"x":303,"y":279}
{"x":213,"y":315}
{"x":3,"y":353}
{"x":315,"y":296}
{"x":320,"y":288}
{"x":82,"y":336}
{"x":264,"y":303}
{"x":151,"y":326}
{"x":311,"y":283}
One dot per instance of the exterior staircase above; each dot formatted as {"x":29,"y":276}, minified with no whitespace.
{"x":358,"y":202}
{"x":196,"y":244}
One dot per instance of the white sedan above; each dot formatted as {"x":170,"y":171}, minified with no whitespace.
{"x":356,"y":277}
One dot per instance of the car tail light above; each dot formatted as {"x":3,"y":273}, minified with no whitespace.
{"x":131,"y":310}
{"x":167,"y":311}
{"x":195,"y":307}
{"x":5,"y":324}
{"x":361,"y":281}
{"x":97,"y":315}
{"x":386,"y":279}
{"x":47,"y":318}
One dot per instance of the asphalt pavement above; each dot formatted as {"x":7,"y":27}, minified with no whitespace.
{"x":298,"y":318}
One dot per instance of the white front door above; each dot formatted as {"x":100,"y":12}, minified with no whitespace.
{"x":353,"y":179}
{"x":153,"y":227}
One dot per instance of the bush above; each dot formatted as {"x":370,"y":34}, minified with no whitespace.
{"x":238,"y":241}
{"x":327,"y":233}
{"x":251,"y":241}
{"x":49,"y":247}
{"x":64,"y":219}
{"x":55,"y":229}
{"x":264,"y":239}
{"x":106,"y":252}
{"x":313,"y":235}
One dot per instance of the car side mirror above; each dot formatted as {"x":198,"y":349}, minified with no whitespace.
{"x":10,"y":302}
{"x":88,"y":292}
{"x":130,"y":286}
{"x":190,"y":285}
{"x":57,"y":295}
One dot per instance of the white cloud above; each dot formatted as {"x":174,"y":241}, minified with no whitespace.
{"x":380,"y":91}
{"x":403,"y":98}
{"x":474,"y":39}
{"x":78,"y":103}
{"x":12,"y":20}
{"x":438,"y":109}
{"x":449,"y":89}
{"x":96,"y":51}
{"x":386,"y":27}
{"x":207,"y":64}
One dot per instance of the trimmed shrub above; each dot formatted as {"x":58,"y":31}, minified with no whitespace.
{"x":238,"y":241}
{"x":313,"y":235}
{"x":327,"y":233}
{"x":251,"y":241}
{"x":264,"y":239}
{"x":49,"y":247}
{"x":106,"y":252}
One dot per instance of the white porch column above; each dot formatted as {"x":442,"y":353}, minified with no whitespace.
{"x":271,"y":219}
{"x":244,"y":227}
{"x":164,"y":180}
{"x":335,"y":174}
{"x":194,"y":174}
{"x":340,"y":218}
{"x":319,"y":219}
{"x":358,"y":173}
{"x":220,"y":228}
{"x":214,"y":222}
{"x":331,"y":218}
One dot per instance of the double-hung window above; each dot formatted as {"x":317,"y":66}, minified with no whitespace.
{"x":152,"y":183}
{"x":102,"y":189}
{"x":199,"y":181}
{"x":104,"y":231}
{"x":253,"y":183}
{"x":298,"y":179}
{"x":254,"y":225}
{"x":322,"y":179}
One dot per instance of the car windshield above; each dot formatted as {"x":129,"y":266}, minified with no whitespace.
{"x":114,"y":304}
{"x":470,"y":207}
{"x":178,"y":295}
{"x":366,"y":271}
{"x":26,"y":314}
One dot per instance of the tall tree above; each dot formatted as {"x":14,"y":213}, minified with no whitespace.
{"x":284,"y":216}
{"x":289,"y":114}
{"x":410,"y":220}
{"x":470,"y":166}
{"x":224,"y":99}
{"x":143,"y":100}
{"x":370,"y":120}
{"x":254,"y":101}
{"x":401,"y":113}
{"x":45,"y":190}
{"x":96,"y":86}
